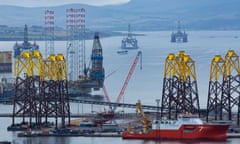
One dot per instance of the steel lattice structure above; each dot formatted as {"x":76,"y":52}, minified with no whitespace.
{"x":41,"y":88}
{"x":97,"y":71}
{"x":224,"y":95}
{"x":215,"y":86}
{"x":75,"y":26}
{"x":49,"y":32}
{"x":180,"y":93}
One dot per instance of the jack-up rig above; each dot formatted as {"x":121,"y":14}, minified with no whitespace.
{"x":179,"y":36}
{"x":82,"y":79}
{"x":93,"y":77}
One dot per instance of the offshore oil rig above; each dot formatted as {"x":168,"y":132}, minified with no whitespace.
{"x":179,"y":36}
{"x":93,"y":77}
{"x":129,"y":42}
{"x":82,"y":78}
{"x":25,"y":46}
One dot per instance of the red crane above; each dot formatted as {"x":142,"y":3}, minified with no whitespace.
{"x":139,"y":55}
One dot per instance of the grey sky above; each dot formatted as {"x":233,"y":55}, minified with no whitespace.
{"x":40,"y":3}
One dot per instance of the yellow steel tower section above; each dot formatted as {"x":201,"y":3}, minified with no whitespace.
{"x":188,"y":100}
{"x":23,"y":70}
{"x":23,"y":65}
{"x":41,"y":88}
{"x":215,"y":86}
{"x":180,"y":93}
{"x":64,"y":109}
{"x":51,"y":69}
{"x":27,"y":94}
{"x":39,"y":65}
{"x":57,"y":101}
{"x":169,"y":93}
{"x":231,"y":85}
{"x":224,"y":84}
{"x":61,"y":67}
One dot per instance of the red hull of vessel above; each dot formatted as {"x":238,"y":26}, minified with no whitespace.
{"x":213,"y":132}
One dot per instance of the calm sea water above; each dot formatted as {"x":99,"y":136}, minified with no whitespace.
{"x":145,"y":84}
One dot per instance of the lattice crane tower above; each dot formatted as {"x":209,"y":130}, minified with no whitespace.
{"x":75,"y":26}
{"x":49,"y":32}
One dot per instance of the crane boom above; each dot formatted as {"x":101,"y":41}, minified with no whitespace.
{"x":145,"y":120}
{"x":106,"y":94}
{"x":139,"y":54}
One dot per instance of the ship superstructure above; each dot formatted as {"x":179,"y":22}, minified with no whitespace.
{"x":185,"y":127}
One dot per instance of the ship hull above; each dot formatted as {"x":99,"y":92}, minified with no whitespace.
{"x":208,"y":132}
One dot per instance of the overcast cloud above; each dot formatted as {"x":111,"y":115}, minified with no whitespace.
{"x":49,"y":3}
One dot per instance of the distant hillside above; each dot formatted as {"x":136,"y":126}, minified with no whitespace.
{"x":142,"y":14}
{"x":8,"y":33}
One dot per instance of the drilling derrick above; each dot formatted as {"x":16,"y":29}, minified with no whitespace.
{"x":215,"y":87}
{"x":180,"y":94}
{"x":25,"y":46}
{"x":97,"y":70}
{"x":231,"y":85}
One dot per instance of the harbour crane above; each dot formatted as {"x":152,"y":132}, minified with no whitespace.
{"x":139,"y":56}
{"x":145,"y":120}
